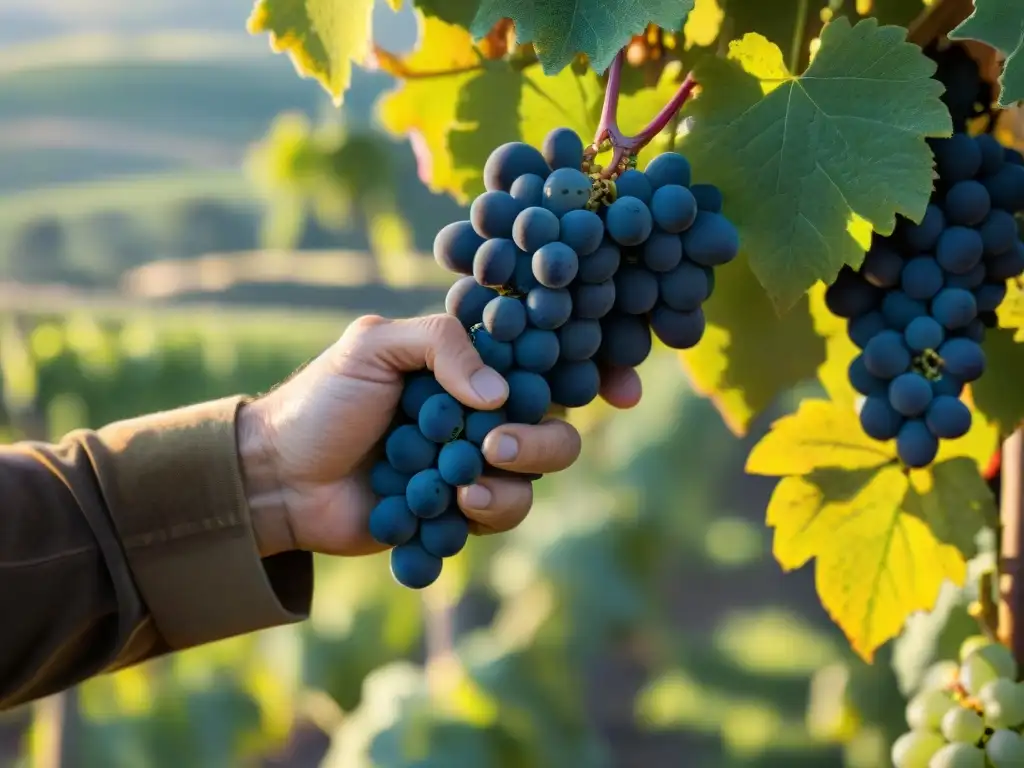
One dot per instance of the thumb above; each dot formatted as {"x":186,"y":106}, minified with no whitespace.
{"x":440,"y":343}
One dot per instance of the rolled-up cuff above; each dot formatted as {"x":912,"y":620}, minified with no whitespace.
{"x":174,"y":489}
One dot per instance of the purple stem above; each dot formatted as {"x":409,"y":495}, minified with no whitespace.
{"x":667,"y":112}
{"x":611,"y":100}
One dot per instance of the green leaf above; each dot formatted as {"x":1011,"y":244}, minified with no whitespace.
{"x":998,"y":393}
{"x":999,"y":23}
{"x":808,"y":165}
{"x":559,"y":29}
{"x":322,"y":37}
{"x":459,"y":12}
{"x":750,"y":354}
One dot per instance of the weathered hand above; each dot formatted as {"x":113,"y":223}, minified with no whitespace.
{"x":307,"y":446}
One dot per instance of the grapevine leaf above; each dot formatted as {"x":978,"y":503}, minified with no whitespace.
{"x":750,"y":354}
{"x":804,"y":162}
{"x":882,"y":551}
{"x":998,"y":393}
{"x":322,"y":37}
{"x":1011,"y":311}
{"x":559,"y":29}
{"x":1000,"y":24}
{"x":703,"y":24}
{"x":821,"y":434}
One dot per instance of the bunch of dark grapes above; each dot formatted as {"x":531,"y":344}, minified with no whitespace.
{"x":564,"y":275}
{"x":966,"y":715}
{"x":920,"y":304}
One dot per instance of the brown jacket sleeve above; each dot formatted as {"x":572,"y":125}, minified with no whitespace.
{"x":121,"y":544}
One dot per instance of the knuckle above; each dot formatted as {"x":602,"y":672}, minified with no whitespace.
{"x":367,"y":324}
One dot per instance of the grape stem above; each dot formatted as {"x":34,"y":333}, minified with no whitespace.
{"x":609,"y":136}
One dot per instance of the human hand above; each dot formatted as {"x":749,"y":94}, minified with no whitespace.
{"x":307,"y":446}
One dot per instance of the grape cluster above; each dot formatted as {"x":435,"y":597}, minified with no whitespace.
{"x":919,"y":305}
{"x":966,"y":715}
{"x":564,"y":274}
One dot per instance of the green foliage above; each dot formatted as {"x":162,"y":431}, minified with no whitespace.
{"x":1001,"y":25}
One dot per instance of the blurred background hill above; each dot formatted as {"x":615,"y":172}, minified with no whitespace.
{"x":134,"y":277}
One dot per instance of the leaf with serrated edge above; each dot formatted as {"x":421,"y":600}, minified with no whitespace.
{"x":750,"y":354}
{"x":999,"y":23}
{"x":998,"y":394}
{"x":322,"y":37}
{"x":877,"y":557}
{"x":798,"y":159}
{"x":820,"y":434}
{"x":559,"y":29}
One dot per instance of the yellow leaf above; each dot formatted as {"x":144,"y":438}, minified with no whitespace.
{"x":877,"y":556}
{"x":703,"y":23}
{"x":820,"y":434}
{"x":424,"y":107}
{"x":322,"y":37}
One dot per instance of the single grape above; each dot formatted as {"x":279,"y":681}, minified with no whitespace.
{"x":926,"y":710}
{"x":567,"y":189}
{"x":947,"y":384}
{"x":960,"y":725}
{"x":923,"y":237}
{"x":562,"y":148}
{"x":998,"y":232}
{"x":712,"y":240}
{"x":686,"y":287}
{"x":1003,"y":703}
{"x":412,"y":566}
{"x":592,"y":302}
{"x":915,"y":749}
{"x":494,"y":353}
{"x":898,"y":309}
{"x":633,"y":183}
{"x":579,"y":339}
{"x":460,"y":463}
{"x":864,"y":382}
{"x":440,"y":419}
{"x":536,"y":350}
{"x":528,"y":190}
{"x":415,"y":391}
{"x":882,"y":266}
{"x":886,"y":355}
{"x":989,"y":296}
{"x":636,"y":291}
{"x":583,"y":231}
{"x":921,"y":278}
{"x":1006,"y":188}
{"x":555,"y":265}
{"x":850,"y":295}
{"x":1005,"y":749}
{"x":529,"y":397}
{"x":495,"y":262}
{"x":535,"y":227}
{"x":673,"y":207}
{"x":910,"y":394}
{"x":947,"y":417}
{"x":708,"y":197}
{"x":625,"y":340}
{"x":392,"y":522}
{"x":1006,"y":265}
{"x":662,"y":251}
{"x":628,"y":221}
{"x":967,"y":203}
{"x":678,"y":330}
{"x":409,"y":451}
{"x":455,"y":245}
{"x":954,"y":307}
{"x":958,"y":157}
{"x":915,"y":444}
{"x":510,"y":161}
{"x":985,"y":664}
{"x":958,"y":756}
{"x":574,"y":383}
{"x":446,"y":535}
{"x":963,"y":359}
{"x":959,"y":250}
{"x":601,"y":265}
{"x":940,"y":675}
{"x":548,"y":308}
{"x":385,"y":480}
{"x":428,"y":495}
{"x":862,"y":329}
{"x":668,"y":168}
{"x":466,"y":300}
{"x":494,"y":213}
{"x":923,"y":333}
{"x":878,"y":419}
{"x":504,"y":318}
{"x":480,"y":423}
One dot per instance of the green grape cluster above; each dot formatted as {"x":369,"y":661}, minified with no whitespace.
{"x":966,"y":715}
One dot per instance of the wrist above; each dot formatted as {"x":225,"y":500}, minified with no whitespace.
{"x":264,"y":491}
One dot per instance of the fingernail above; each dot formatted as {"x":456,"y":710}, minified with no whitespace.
{"x":476,"y":497}
{"x":488,"y":384}
{"x":507,"y":449}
